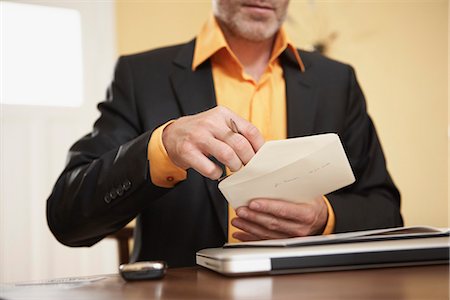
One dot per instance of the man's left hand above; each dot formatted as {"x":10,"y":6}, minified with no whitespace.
{"x":273,"y":219}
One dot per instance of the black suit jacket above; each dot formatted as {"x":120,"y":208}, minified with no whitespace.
{"x":106,"y":181}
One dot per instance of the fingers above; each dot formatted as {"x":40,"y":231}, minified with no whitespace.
{"x":255,"y":231}
{"x":269,"y":218}
{"x":299,"y":212}
{"x":272,"y":223}
{"x":238,"y":144}
{"x":204,"y":165}
{"x":250,"y":132}
{"x":246,"y":142}
{"x":190,"y":140}
{"x":245,"y":236}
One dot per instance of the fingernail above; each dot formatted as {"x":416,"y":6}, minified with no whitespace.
{"x":254,"y":205}
{"x":241,"y":213}
{"x":236,"y":222}
{"x":235,"y":169}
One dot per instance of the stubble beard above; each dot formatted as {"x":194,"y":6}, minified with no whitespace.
{"x":249,"y":27}
{"x":253,"y":30}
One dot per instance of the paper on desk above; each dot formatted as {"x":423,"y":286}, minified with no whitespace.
{"x":297,"y":170}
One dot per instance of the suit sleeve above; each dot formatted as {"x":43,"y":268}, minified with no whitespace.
{"x":105,"y":183}
{"x":373,"y":201}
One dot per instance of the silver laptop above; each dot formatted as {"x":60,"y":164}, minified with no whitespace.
{"x":328,"y":253}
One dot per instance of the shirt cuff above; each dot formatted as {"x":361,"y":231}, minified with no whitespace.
{"x":163,"y":172}
{"x":329,"y":228}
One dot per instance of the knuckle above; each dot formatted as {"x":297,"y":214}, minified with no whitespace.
{"x":207,"y":122}
{"x":273,"y":224}
{"x":309,"y":216}
{"x":226,"y":154}
{"x":252,"y":131}
{"x":281,"y":212}
{"x":205,"y":144}
{"x":221,"y":109}
{"x":266,"y":236}
{"x":300,"y":232}
{"x":184,"y":148}
{"x":239,"y":142}
{"x":211,"y":172}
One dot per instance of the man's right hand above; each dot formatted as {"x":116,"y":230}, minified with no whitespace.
{"x":191,"y":139}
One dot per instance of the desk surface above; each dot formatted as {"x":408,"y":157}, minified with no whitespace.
{"x":425,"y":282}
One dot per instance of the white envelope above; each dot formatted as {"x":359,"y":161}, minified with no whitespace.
{"x":297,"y":170}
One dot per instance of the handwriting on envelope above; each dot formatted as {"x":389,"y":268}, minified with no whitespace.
{"x":297,"y":170}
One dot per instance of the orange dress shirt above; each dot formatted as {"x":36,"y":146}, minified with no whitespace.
{"x":262,"y":103}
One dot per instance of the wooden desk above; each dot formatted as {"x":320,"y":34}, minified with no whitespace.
{"x":426,"y":282}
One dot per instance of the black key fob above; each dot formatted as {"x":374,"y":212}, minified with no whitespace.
{"x":143,"y":270}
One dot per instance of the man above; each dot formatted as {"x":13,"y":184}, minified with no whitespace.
{"x":164,"y":137}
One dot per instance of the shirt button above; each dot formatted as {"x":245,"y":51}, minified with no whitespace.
{"x":170,"y":178}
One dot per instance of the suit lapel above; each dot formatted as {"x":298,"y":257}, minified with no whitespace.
{"x":194,"y":91}
{"x":300,"y":93}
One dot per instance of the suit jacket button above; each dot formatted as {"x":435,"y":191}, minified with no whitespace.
{"x":107,"y":198}
{"x":119,"y":191}
{"x":113,"y":194}
{"x":126,"y":185}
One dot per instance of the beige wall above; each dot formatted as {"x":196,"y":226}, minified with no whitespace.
{"x":143,"y":25}
{"x":399,"y":50}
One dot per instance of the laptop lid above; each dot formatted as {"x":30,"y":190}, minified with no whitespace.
{"x":326,"y":257}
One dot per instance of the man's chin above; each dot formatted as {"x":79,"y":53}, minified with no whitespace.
{"x":257,"y":31}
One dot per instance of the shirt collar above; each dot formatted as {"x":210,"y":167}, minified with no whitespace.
{"x":211,"y":39}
